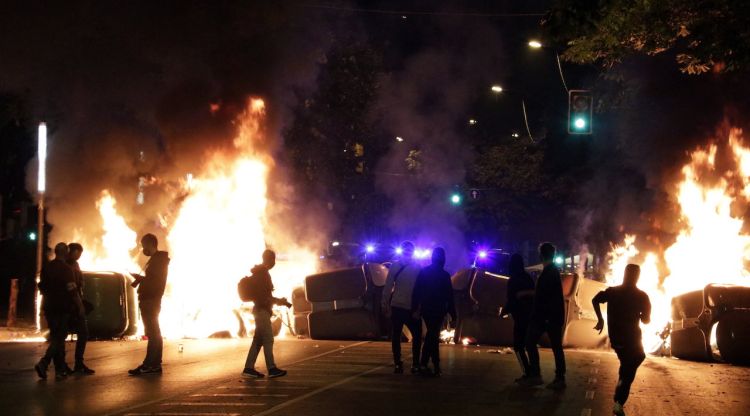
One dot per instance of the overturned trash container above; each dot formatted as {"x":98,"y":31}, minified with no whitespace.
{"x":345,"y":303}
{"x":695,"y":314}
{"x":115,"y":312}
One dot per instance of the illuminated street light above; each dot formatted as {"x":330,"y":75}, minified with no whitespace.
{"x":516,"y":135}
{"x":473,"y":121}
{"x":496,"y":89}
{"x":42,"y":177}
{"x":39,"y":236}
{"x":335,"y":244}
{"x":535,"y":44}
{"x":399,"y":139}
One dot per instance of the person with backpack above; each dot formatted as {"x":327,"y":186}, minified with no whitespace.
{"x":258,"y":288}
{"x":397,"y":303}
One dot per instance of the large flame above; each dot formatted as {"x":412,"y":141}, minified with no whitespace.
{"x":711,"y":246}
{"x":217,"y":235}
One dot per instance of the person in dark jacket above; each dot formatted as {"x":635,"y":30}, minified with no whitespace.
{"x":262,"y":310}
{"x":151,"y":287}
{"x":60,"y":300}
{"x":432,"y":300}
{"x":626,"y":307}
{"x":519,"y":303}
{"x":78,"y":323}
{"x":547,"y":315}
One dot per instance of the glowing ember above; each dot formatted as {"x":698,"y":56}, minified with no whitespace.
{"x":215,"y":238}
{"x":711,"y":247}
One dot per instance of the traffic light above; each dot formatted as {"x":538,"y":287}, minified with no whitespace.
{"x":456,"y":198}
{"x":580,"y":111}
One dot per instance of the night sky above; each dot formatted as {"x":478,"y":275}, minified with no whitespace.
{"x":113,"y":79}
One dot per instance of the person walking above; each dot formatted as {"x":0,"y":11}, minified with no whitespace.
{"x":626,"y":307}
{"x":519,"y":304}
{"x":262,"y":297}
{"x":60,"y":300}
{"x":397,"y":303}
{"x":78,"y":323}
{"x":547,"y":315}
{"x":151,"y":287}
{"x":432,"y":300}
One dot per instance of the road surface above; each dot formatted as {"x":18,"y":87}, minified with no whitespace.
{"x":355,"y":378}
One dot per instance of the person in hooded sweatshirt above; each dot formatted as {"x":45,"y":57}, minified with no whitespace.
{"x":433,"y":299}
{"x":262,"y":311}
{"x":519,"y":304}
{"x":397,"y":303}
{"x":151,"y":287}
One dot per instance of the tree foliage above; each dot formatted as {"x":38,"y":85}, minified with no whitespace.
{"x":703,"y":35}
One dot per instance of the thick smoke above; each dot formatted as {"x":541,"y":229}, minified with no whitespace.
{"x":148,"y":92}
{"x":427,"y":104}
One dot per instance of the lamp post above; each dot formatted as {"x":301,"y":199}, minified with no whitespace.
{"x":497,"y":90}
{"x":41,"y":188}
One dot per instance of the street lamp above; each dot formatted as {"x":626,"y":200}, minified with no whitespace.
{"x":496,"y":89}
{"x":41,"y":188}
{"x":399,"y":139}
{"x":535,"y":44}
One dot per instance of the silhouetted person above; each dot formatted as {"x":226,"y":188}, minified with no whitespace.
{"x":78,"y":324}
{"x":262,"y":310}
{"x":547,"y":315}
{"x":397,"y":303}
{"x":151,"y":287}
{"x":626,"y":306}
{"x":519,"y":304}
{"x":60,"y":300}
{"x":432,"y":300}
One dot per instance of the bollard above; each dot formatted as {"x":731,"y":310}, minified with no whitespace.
{"x":12,"y":303}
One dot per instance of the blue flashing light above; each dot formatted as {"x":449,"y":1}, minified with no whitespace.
{"x":370,"y":248}
{"x":399,"y":251}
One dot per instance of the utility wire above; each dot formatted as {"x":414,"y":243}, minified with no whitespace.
{"x":559,"y":67}
{"x":526,"y":120}
{"x":417,"y":12}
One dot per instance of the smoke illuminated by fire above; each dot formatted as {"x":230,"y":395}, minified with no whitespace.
{"x":711,"y":246}
{"x":215,"y":238}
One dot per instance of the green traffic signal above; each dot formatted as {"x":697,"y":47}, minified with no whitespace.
{"x":580,"y":111}
{"x":455,"y":199}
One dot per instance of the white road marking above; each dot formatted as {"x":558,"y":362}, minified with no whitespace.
{"x":590,"y":394}
{"x":183,"y":414}
{"x":316,"y":391}
{"x":237,"y":395}
{"x":209,"y":404}
{"x":202,"y":388}
{"x":265,"y":387}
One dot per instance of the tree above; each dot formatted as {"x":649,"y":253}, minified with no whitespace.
{"x":702,"y":35}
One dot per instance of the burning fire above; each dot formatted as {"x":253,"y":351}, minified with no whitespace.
{"x":216,"y":236}
{"x":711,"y":246}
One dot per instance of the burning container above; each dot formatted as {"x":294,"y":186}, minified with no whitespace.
{"x":694,"y":315}
{"x":345,"y":303}
{"x":115,"y":312}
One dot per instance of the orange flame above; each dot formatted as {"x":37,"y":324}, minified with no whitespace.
{"x":711,"y":247}
{"x":216,"y":237}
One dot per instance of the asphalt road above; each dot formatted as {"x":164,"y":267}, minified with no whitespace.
{"x":355,"y":378}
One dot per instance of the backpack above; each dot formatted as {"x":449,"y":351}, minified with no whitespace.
{"x":247,"y":288}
